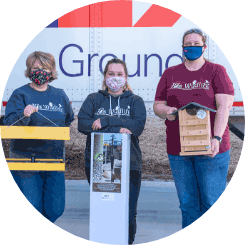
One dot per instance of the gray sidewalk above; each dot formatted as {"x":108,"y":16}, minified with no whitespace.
{"x":158,"y":210}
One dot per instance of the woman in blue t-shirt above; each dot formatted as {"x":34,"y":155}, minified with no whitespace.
{"x":39,"y":104}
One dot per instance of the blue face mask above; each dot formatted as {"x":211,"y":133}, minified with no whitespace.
{"x":193,"y":52}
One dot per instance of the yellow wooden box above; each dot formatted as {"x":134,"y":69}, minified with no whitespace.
{"x":31,"y":132}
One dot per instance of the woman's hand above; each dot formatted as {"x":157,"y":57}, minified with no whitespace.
{"x":29,"y":110}
{"x":125,"y":131}
{"x":96,"y":124}
{"x":171,"y":110}
{"x":214,"y":147}
{"x":162,"y":110}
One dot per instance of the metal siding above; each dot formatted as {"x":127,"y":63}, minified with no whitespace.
{"x":139,"y":9}
{"x":134,"y":44}
{"x":53,"y":40}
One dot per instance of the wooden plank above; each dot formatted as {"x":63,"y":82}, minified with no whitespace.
{"x":31,"y":132}
{"x":195,"y":153}
{"x":209,"y":124}
{"x":196,"y":127}
{"x":194,"y":132}
{"x":195,"y":148}
{"x":194,"y":122}
{"x":181,"y":117}
{"x":195,"y":143}
{"x":36,"y":166}
{"x":195,"y":137}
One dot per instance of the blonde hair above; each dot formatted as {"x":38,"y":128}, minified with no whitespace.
{"x":197,"y":31}
{"x":45,"y":59}
{"x":116,"y":61}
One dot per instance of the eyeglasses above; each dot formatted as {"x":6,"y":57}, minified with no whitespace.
{"x":194,"y":30}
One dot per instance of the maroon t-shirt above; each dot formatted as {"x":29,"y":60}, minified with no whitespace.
{"x":179,"y":86}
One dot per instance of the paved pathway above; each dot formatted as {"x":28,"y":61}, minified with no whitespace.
{"x":158,"y":210}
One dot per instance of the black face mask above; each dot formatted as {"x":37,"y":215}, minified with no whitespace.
{"x":40,"y":76}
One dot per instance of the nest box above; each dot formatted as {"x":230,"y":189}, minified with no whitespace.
{"x":31,"y":132}
{"x":195,"y":129}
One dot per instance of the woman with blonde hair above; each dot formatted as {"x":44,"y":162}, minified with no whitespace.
{"x":200,"y":179}
{"x":115,"y":109}
{"x":40,"y":104}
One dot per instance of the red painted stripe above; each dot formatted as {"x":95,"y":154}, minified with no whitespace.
{"x":102,"y":14}
{"x":76,"y":18}
{"x":95,"y":18}
{"x":238,"y":103}
{"x":157,"y":16}
{"x":117,"y":13}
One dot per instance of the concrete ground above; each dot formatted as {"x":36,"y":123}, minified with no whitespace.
{"x":158,"y":210}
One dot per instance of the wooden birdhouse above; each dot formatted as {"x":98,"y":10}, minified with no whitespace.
{"x":195,"y":129}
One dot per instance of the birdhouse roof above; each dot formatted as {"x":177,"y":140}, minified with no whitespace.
{"x":191,"y":106}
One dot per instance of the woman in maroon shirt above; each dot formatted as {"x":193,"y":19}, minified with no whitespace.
{"x":199,"y":180}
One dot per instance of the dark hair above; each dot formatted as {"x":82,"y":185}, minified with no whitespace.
{"x":45,"y":59}
{"x":116,"y":61}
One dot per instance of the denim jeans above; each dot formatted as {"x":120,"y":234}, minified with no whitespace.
{"x":45,"y":190}
{"x":199,"y":181}
{"x":135,"y":184}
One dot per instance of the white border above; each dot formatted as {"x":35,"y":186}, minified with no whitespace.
{"x":20,"y":23}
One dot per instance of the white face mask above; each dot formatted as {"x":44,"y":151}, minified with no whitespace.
{"x":115,"y":83}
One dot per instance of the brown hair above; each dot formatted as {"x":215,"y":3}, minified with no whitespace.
{"x":204,"y":38}
{"x":45,"y":59}
{"x":197,"y":31}
{"x":116,"y":61}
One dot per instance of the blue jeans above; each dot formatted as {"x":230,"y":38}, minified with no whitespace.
{"x":45,"y":190}
{"x":199,"y":181}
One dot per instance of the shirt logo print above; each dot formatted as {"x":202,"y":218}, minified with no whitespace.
{"x":191,"y":86}
{"x":114,"y":112}
{"x":49,"y":107}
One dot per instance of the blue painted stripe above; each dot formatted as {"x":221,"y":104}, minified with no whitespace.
{"x":53,"y":24}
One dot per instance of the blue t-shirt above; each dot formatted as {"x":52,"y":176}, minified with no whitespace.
{"x":53,"y":104}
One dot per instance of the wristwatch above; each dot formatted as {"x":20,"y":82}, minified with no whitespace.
{"x":218,"y":138}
